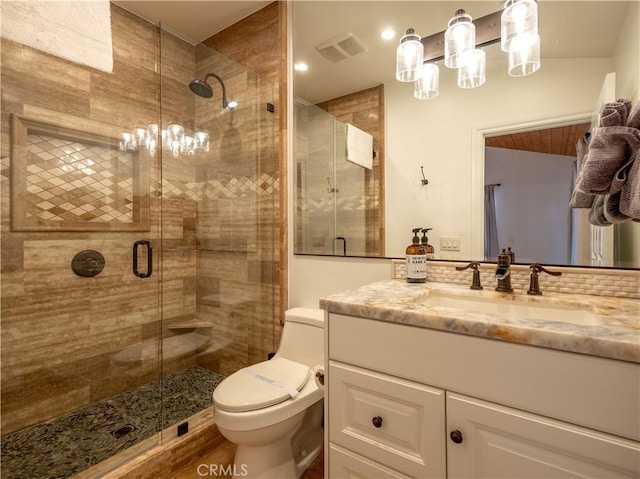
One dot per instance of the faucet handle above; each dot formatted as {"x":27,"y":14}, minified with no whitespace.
{"x":475,"y":283}
{"x":534,"y":283}
{"x":473,"y":264}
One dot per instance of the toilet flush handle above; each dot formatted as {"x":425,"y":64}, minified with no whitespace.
{"x":320,"y":376}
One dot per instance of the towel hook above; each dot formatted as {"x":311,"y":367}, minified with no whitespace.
{"x":423,"y":180}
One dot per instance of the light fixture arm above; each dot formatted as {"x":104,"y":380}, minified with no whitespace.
{"x":487,"y":33}
{"x":225,"y":104}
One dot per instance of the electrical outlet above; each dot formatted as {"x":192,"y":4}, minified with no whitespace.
{"x":449,"y":243}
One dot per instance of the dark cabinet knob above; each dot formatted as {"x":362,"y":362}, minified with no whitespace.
{"x":377,"y":421}
{"x":456,"y":436}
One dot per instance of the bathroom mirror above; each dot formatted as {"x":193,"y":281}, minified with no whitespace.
{"x":443,"y":138}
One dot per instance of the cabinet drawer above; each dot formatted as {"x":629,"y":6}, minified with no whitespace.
{"x":399,"y":423}
{"x":346,"y":464}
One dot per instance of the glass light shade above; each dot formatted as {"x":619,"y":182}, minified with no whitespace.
{"x":409,"y":57}
{"x":474,"y":74}
{"x":459,"y":40}
{"x":525,"y":60}
{"x":165,"y":139}
{"x":201,"y":139}
{"x":139,"y":135}
{"x":175,"y":132}
{"x":152,"y":129}
{"x":151,"y":139}
{"x":126,"y":142}
{"x":187,"y":145}
{"x":519,"y":20}
{"x":428,"y":85}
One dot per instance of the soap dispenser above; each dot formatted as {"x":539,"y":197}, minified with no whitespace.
{"x":416,"y":260}
{"x":429,"y":249}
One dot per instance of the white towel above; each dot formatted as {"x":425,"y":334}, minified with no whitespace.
{"x":359,"y":147}
{"x":78,"y":31}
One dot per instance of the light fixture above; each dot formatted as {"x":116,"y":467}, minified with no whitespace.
{"x":459,"y":40}
{"x":300,"y":67}
{"x":460,"y":45}
{"x":409,"y":57}
{"x":519,"y":20}
{"x":173,"y":139}
{"x":524,"y":59}
{"x":473,"y":74}
{"x":428,"y":85}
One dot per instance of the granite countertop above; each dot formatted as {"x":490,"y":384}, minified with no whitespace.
{"x":604,"y":326}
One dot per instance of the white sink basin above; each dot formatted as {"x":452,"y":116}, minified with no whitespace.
{"x":513,"y":308}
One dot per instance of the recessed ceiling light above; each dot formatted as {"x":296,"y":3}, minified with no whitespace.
{"x":300,"y":67}
{"x":387,"y":34}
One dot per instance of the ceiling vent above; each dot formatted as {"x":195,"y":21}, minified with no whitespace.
{"x":341,"y":47}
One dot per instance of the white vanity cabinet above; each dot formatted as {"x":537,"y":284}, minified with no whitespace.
{"x":405,"y":401}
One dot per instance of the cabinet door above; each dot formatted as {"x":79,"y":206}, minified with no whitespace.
{"x":395,"y":422}
{"x":346,"y":464}
{"x":500,"y":442}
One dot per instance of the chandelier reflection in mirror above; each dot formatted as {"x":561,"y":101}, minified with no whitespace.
{"x":461,"y":47}
{"x":173,"y":139}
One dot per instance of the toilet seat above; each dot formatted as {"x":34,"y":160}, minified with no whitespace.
{"x":261,"y":385}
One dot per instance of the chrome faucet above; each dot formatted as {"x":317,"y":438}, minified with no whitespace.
{"x":503,"y":272}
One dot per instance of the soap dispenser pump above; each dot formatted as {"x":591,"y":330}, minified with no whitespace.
{"x":429,"y":249}
{"x":416,"y":260}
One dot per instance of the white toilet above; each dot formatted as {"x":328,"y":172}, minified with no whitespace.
{"x":273,"y":410}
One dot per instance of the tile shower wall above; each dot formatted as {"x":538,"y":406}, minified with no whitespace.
{"x":222,"y":202}
{"x":60,"y":332}
{"x":262,"y":49}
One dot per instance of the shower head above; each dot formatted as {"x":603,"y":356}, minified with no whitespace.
{"x":201,"y":88}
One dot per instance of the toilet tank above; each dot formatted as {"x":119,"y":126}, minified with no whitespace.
{"x":303,"y":336}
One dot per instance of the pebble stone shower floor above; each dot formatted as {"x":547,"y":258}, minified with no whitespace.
{"x":73,"y":442}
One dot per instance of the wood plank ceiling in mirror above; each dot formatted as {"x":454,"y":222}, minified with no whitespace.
{"x":555,"y":141}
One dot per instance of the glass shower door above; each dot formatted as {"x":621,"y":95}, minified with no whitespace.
{"x":219,"y":189}
{"x":79,"y":329}
{"x":316,"y":183}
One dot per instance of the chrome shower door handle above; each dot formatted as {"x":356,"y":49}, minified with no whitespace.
{"x":136,"y":245}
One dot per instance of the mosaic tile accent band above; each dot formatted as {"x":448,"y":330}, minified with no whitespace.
{"x":593,"y":281}
{"x":233,"y":187}
{"x":342,"y":203}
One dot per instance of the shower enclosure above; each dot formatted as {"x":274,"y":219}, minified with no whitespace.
{"x":334,"y":201}
{"x":137,"y":247}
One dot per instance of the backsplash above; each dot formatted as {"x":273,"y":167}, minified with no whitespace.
{"x":594,"y":281}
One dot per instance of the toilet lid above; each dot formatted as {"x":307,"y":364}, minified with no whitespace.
{"x":261,"y":385}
